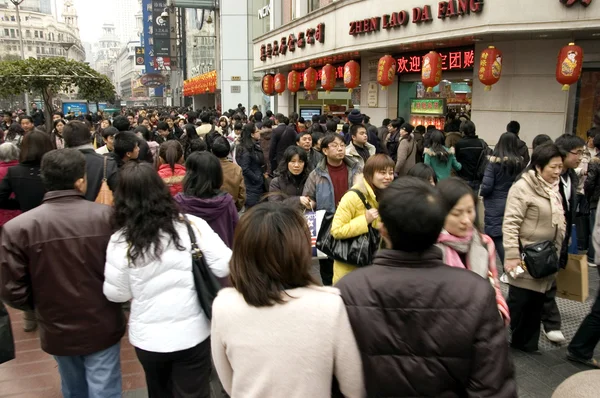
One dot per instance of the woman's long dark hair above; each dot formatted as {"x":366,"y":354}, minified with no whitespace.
{"x":246,"y":140}
{"x":506,"y":151}
{"x":190,"y":132}
{"x":203,"y":176}
{"x":289,"y":153}
{"x":437,"y":146}
{"x":144,"y":209}
{"x":170,"y":152}
{"x":55,"y":123}
{"x":14,"y":130}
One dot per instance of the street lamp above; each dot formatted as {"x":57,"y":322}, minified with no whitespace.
{"x":17,"y":3}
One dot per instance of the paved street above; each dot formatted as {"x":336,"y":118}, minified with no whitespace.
{"x":35,"y":374}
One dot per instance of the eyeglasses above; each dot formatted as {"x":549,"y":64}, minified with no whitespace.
{"x":336,"y":146}
{"x":578,"y":153}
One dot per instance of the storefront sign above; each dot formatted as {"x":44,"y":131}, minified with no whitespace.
{"x":372,"y":95}
{"x":289,"y":43}
{"x":264,"y":12}
{"x":452,"y":59}
{"x":339,"y":73}
{"x":446,"y":9}
{"x":332,"y":59}
{"x":139,"y":56}
{"x":570,"y":3}
{"x":428,"y":106}
{"x":160,"y":30}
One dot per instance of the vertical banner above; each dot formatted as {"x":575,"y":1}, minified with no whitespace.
{"x":148,"y":39}
{"x":160,"y":28}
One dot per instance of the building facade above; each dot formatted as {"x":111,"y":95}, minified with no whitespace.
{"x":107,"y":51}
{"x":43,"y":35}
{"x":126,"y":26}
{"x":529,"y":37}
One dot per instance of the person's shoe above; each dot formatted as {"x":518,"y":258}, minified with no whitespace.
{"x":555,"y":336}
{"x":591,"y":264}
{"x":592,"y":363}
{"x":504,"y":278}
{"x":30,"y":325}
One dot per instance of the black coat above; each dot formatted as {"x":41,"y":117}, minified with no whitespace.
{"x":290,"y":189}
{"x":570,"y":212}
{"x":25,"y":182}
{"x":592,"y":183}
{"x":273,"y":150}
{"x":494,"y":189}
{"x":523,"y":151}
{"x":420,"y":335}
{"x":252,"y":163}
{"x":468,"y":153}
{"x":94,"y":167}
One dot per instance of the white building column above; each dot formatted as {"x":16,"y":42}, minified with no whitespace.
{"x":387,"y":100}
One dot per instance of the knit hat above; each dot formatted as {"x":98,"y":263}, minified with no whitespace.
{"x":407,"y":127}
{"x":355,"y":117}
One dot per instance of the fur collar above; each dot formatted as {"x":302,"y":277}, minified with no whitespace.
{"x":429,"y":152}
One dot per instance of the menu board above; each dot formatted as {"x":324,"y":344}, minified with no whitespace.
{"x":428,"y":106}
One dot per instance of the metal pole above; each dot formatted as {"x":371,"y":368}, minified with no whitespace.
{"x":17,"y":3}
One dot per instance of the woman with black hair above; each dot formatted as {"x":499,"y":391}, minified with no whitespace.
{"x":189,"y":134}
{"x":249,"y":156}
{"x":423,"y":171}
{"x":14,"y":134}
{"x":290,"y":179}
{"x":202,"y":195}
{"x":170,"y":165}
{"x":504,"y":167}
{"x":56,"y":137}
{"x":149,"y":262}
{"x":440,"y":158}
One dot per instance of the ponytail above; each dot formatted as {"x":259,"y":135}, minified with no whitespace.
{"x":170,"y":152}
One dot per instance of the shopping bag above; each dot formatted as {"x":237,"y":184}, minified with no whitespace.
{"x":572,"y":281}
{"x":7,"y":344}
{"x":314,"y":220}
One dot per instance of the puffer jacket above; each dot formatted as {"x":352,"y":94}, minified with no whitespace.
{"x":468,"y":152}
{"x":349,"y":221}
{"x":353,"y":154}
{"x":528,"y":217}
{"x":494,"y":190}
{"x":165,"y":312}
{"x":404,"y":311}
{"x":319,"y":187}
{"x":52,"y":260}
{"x":172,"y":178}
{"x":290,"y":189}
{"x":252,"y":163}
{"x":442,"y":170}
{"x":592,"y":183}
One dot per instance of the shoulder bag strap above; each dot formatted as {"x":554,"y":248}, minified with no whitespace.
{"x":195,"y":249}
{"x":105,"y":161}
{"x":362,"y":198}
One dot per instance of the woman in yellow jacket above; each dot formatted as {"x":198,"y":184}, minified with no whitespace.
{"x":351,"y":218}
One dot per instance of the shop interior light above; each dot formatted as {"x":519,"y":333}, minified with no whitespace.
{"x":543,"y":36}
{"x":595,"y":34}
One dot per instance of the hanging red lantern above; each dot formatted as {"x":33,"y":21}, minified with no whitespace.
{"x":267,"y":84}
{"x":279,"y":83}
{"x":386,"y":70}
{"x":431,"y":71}
{"x":568,"y":67}
{"x":310,"y":80}
{"x":490,"y":67}
{"x":293,"y":82}
{"x":351,"y":75}
{"x":328,"y":78}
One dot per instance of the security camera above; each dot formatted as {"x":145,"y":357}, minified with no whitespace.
{"x":165,"y":15}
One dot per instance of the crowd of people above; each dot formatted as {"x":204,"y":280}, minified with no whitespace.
{"x":443,"y":205}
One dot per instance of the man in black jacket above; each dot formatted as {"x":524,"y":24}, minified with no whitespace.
{"x":470,"y":152}
{"x":514,"y":127}
{"x":283,"y":137}
{"x":407,"y":304}
{"x":77,"y":136}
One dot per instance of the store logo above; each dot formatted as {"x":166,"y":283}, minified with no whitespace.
{"x":291,"y":42}
{"x":570,"y":3}
{"x":264,"y":12}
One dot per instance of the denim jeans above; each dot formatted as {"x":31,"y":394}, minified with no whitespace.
{"x":96,"y":375}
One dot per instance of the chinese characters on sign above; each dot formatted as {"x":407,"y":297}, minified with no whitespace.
{"x":139,"y":56}
{"x":339,"y":73}
{"x":160,"y":30}
{"x":291,"y":42}
{"x":453,"y":59}
{"x":570,"y":3}
{"x":427,"y":106}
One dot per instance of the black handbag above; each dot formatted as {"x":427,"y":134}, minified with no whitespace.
{"x":358,"y":250}
{"x":540,"y":259}
{"x":207,"y":284}
{"x":7,"y":343}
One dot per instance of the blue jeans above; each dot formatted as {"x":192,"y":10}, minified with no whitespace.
{"x":97,"y":375}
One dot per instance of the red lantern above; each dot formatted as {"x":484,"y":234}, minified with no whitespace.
{"x":279,"y":83}
{"x":328,"y":78}
{"x":568,"y":67}
{"x":431,"y":71}
{"x":267,"y":84}
{"x":386,"y":70}
{"x":351,"y":75}
{"x":310,"y":80}
{"x":293,"y":82}
{"x":490,"y":67}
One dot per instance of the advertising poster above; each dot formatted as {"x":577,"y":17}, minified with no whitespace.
{"x":76,"y":107}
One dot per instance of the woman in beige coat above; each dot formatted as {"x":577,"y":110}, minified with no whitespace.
{"x":533,"y":214}
{"x":407,"y":151}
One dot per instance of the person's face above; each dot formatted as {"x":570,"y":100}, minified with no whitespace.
{"x":459,"y":222}
{"x":27,"y":125}
{"x":163,"y":133}
{"x":34,"y":107}
{"x":296,"y":165}
{"x":130,"y":118}
{"x":590,"y":142}
{"x":305,"y":142}
{"x":256,"y":135}
{"x":335,"y":150}
{"x":110,"y":142}
{"x":552,"y":171}
{"x":146,"y":123}
{"x":181,"y":123}
{"x":390,"y":128}
{"x":573,"y":158}
{"x":153,"y":118}
{"x":170,"y":123}
{"x":6,"y":118}
{"x":59,"y":127}
{"x":104,"y":124}
{"x":383,"y":178}
{"x":135,"y":153}
{"x":55,"y":117}
{"x":223,"y":123}
{"x":361,"y":137}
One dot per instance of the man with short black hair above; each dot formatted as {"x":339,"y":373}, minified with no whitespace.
{"x":126,"y":148}
{"x":331,"y":126}
{"x":122,"y":124}
{"x":77,"y":136}
{"x":472,"y":153}
{"x":163,"y":133}
{"x":382,"y":132}
{"x":407,"y":305}
{"x":207,"y":127}
{"x":108,"y":135}
{"x":52,"y":261}
{"x":359,"y":149}
{"x":304,"y":141}
{"x":281,"y":139}
{"x":514,"y":127}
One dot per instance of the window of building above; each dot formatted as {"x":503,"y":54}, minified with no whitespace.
{"x":6,"y":32}
{"x":12,"y":18}
{"x":12,"y":33}
{"x":28,"y":34}
{"x":29,"y":48}
{"x":314,"y":5}
{"x":35,"y":34}
{"x":37,"y":50}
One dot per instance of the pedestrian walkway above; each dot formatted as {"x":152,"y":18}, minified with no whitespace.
{"x":34,"y":373}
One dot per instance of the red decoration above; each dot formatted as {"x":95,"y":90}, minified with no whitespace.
{"x":351,"y":75}
{"x":201,"y":84}
{"x":490,"y":67}
{"x":386,"y":70}
{"x":431,"y":71}
{"x":293,"y":82}
{"x":279,"y":83}
{"x":328,"y":77}
{"x":310,"y":80}
{"x":267,"y":84}
{"x":568,"y":67}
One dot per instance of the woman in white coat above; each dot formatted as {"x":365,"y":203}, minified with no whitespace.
{"x":149,"y":262}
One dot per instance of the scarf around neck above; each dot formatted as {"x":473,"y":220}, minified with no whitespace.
{"x":477,"y":254}
{"x":553,"y":192}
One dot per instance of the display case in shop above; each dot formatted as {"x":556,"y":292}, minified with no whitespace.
{"x":446,"y":97}
{"x":428,"y":111}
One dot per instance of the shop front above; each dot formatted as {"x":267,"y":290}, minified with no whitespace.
{"x":528,"y":39}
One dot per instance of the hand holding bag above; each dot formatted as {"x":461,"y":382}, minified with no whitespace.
{"x":207,"y":284}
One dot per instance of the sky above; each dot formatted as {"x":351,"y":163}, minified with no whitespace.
{"x":92,"y":14}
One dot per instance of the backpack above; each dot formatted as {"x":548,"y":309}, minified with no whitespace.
{"x":482,"y":162}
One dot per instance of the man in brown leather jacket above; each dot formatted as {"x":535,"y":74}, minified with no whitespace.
{"x":52,"y":261}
